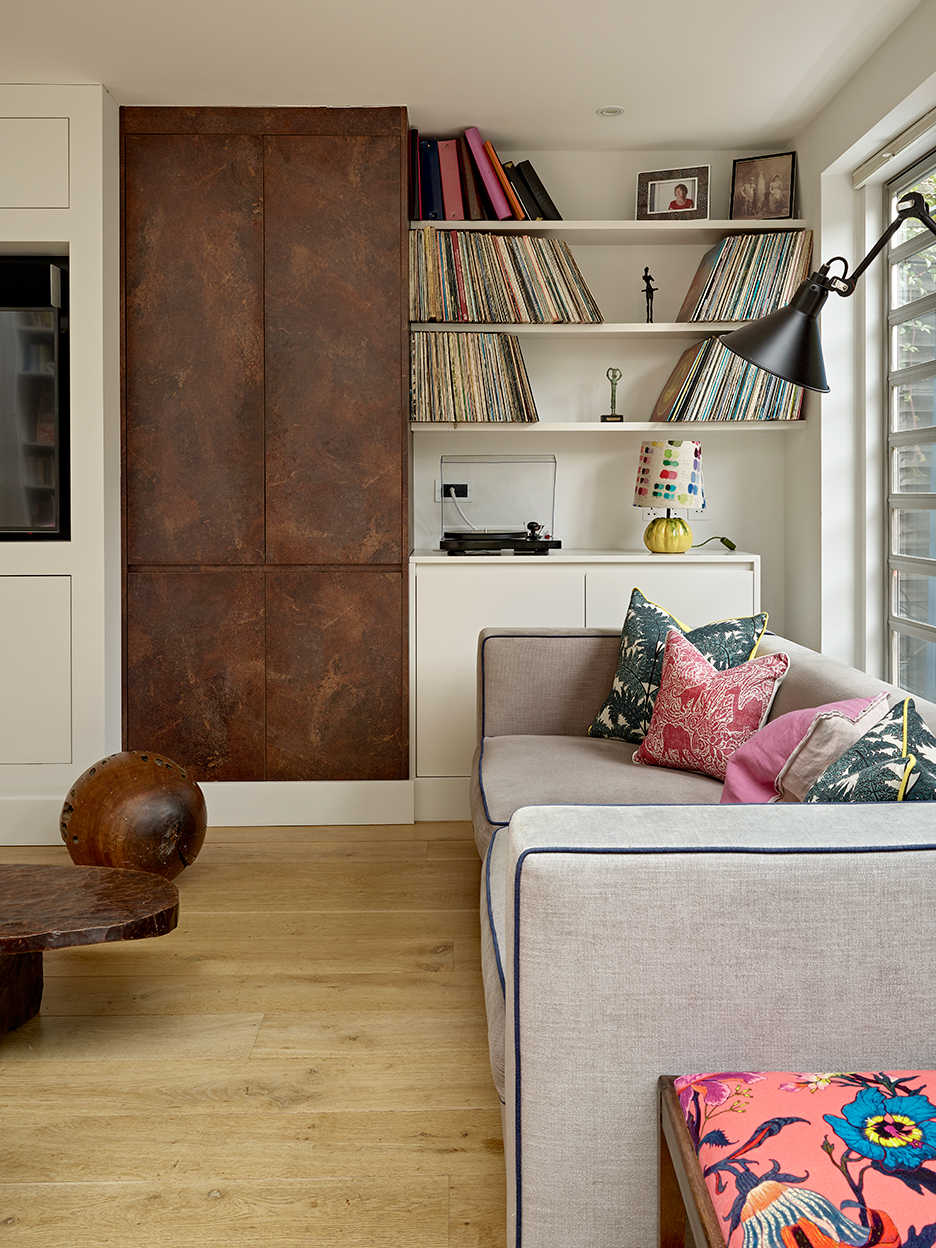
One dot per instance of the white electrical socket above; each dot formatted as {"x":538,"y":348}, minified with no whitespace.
{"x":464,"y":488}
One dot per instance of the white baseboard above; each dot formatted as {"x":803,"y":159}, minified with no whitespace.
{"x":313,"y":803}
{"x":442,"y":799}
{"x":285,"y":803}
{"x":30,"y":820}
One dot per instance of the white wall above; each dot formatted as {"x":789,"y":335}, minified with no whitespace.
{"x":833,"y":526}
{"x":80,"y":691}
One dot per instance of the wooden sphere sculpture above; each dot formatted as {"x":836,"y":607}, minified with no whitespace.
{"x":135,"y":810}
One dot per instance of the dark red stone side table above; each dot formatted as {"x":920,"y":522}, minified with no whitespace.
{"x":56,"y":907}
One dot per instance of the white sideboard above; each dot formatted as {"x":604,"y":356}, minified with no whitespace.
{"x":453,"y":598}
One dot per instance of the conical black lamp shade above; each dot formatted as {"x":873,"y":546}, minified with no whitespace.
{"x":786,"y":343}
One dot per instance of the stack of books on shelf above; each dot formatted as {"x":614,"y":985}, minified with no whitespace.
{"x":457,"y":275}
{"x":747,"y":276}
{"x":469,"y":377}
{"x":463,"y":179}
{"x":712,"y":383}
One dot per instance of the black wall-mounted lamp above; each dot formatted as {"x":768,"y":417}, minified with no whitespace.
{"x":786,"y":343}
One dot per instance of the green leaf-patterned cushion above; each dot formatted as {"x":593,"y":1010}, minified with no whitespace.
{"x":893,"y":762}
{"x":628,"y":707}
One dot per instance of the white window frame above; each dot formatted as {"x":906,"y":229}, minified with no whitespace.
{"x":899,"y":627}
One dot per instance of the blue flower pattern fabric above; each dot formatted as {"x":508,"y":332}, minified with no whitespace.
{"x":627,"y":710}
{"x":847,"y":1164}
{"x":895,"y":761}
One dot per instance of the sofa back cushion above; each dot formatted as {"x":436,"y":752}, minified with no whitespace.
{"x":542,"y":681}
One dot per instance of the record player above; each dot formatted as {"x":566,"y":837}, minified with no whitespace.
{"x":497,"y":504}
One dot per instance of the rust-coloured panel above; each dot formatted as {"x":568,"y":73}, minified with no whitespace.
{"x":194,"y":349}
{"x":195,"y":670}
{"x":168,"y":120}
{"x":335,"y":428}
{"x":335,"y":676}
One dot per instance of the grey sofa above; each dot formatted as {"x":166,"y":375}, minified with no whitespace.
{"x":633,"y":927}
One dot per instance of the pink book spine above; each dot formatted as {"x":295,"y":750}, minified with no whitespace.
{"x":496,"y":195}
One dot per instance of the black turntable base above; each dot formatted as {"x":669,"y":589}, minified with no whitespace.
{"x":479,"y":543}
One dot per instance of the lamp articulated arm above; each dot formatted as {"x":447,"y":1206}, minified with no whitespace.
{"x":786,"y":342}
{"x":912,"y":205}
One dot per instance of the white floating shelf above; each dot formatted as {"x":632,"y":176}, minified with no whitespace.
{"x":606,"y":329}
{"x":595,"y":426}
{"x":611,"y":233}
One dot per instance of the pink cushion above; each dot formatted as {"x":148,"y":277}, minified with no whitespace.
{"x":752,"y":770}
{"x":702,"y":715}
{"x":817,"y":1160}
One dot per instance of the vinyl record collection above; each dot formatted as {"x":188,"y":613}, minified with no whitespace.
{"x":747,"y":276}
{"x":460,"y":275}
{"x":712,"y":383}
{"x":469,"y":377}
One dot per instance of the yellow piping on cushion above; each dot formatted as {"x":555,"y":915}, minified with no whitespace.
{"x":906,"y":776}
{"x":760,"y":636}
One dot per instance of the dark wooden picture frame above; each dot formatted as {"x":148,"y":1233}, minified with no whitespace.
{"x":763,"y":188}
{"x":657,"y":196}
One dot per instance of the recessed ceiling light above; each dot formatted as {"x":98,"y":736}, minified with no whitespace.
{"x":610,"y":110}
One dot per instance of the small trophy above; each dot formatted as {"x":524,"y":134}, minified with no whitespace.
{"x":614,"y":376}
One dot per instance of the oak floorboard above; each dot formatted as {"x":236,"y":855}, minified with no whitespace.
{"x":322,"y":886}
{"x":292,"y":994}
{"x":418,"y":1078}
{"x":149,"y":1038}
{"x":396,"y":1211}
{"x":98,"y":1148}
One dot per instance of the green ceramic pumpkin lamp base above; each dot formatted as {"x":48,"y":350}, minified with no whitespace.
{"x":667,"y":535}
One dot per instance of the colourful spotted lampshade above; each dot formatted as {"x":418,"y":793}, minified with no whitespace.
{"x":670,"y":475}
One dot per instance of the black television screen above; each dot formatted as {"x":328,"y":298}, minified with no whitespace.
{"x":34,"y":495}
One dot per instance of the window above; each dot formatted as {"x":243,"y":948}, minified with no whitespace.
{"x":911,"y":440}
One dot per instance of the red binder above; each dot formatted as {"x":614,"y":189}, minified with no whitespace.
{"x":451,"y":180}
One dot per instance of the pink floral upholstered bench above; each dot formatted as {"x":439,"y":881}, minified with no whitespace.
{"x":799,"y":1160}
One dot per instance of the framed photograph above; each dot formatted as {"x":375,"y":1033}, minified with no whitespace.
{"x":673,"y":194}
{"x":763,"y":188}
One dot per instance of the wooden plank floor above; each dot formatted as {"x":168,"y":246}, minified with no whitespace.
{"x":303,"y":1061}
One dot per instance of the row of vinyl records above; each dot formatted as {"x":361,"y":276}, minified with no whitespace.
{"x":469,"y":377}
{"x":456,"y":275}
{"x":464,"y":179}
{"x":482,"y":378}
{"x":712,"y":383}
{"x":746,"y":276}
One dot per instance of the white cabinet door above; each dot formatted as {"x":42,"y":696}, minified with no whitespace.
{"x":695,"y":593}
{"x":454,"y":603}
{"x":35,"y":669}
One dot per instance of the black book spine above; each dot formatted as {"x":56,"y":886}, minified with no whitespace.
{"x":522,"y":191}
{"x":547,"y":208}
{"x":430,"y":181}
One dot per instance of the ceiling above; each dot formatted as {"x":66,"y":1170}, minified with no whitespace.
{"x":529,"y":73}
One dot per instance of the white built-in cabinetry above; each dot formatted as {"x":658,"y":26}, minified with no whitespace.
{"x":454,"y":598}
{"x":60,"y":600}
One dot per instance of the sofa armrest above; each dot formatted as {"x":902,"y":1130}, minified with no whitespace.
{"x":543,"y":682}
{"x":640,"y":941}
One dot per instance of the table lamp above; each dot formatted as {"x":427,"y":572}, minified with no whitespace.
{"x":786,"y":343}
{"x":669,"y":475}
